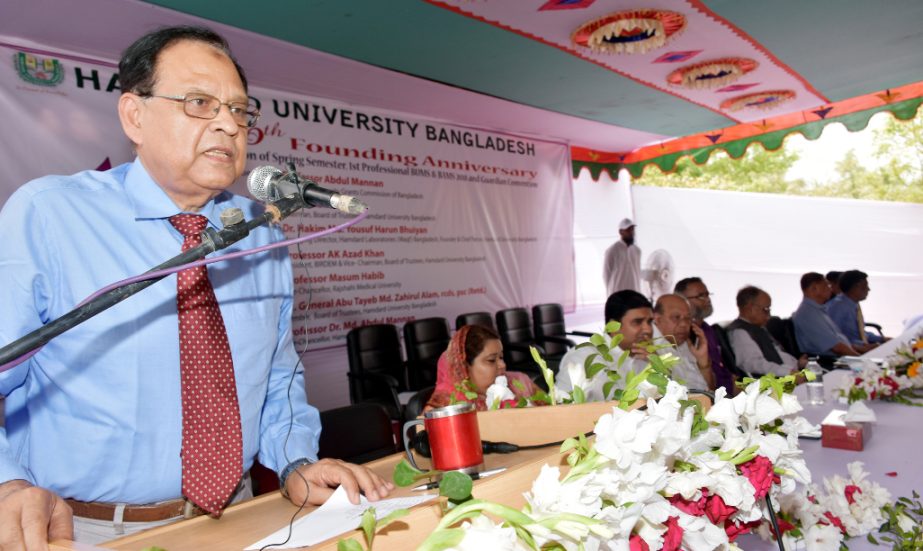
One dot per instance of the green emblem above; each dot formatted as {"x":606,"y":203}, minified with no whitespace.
{"x":41,"y":72}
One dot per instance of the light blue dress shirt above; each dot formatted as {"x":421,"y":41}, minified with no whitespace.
{"x":844,"y":312}
{"x":96,"y":415}
{"x":814,"y":330}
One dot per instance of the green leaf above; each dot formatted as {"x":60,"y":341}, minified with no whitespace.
{"x":368,"y":525}
{"x":607,"y":388}
{"x":613,"y":327}
{"x":623,"y":358}
{"x":405,"y":474}
{"x":593,"y":369}
{"x":442,"y":539}
{"x":455,"y":486}
{"x":347,"y":545}
{"x":597,"y":339}
{"x":391,"y":517}
{"x":579,"y":396}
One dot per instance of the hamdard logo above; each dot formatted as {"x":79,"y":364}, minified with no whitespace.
{"x":38,"y":71}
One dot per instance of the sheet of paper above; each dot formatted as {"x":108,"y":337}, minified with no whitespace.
{"x":336,"y":516}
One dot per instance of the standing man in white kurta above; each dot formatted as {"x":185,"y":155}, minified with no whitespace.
{"x":622,"y":263}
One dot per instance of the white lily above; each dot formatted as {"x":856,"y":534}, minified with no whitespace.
{"x":481,"y":533}
{"x":822,"y":537}
{"x":498,"y":392}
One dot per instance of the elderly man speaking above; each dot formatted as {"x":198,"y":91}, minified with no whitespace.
{"x":155,"y":409}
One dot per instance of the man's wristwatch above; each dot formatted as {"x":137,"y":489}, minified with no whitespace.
{"x":289,"y":469}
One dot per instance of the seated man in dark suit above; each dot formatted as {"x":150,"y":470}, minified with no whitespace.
{"x":695,"y":291}
{"x":814,"y":330}
{"x":757,"y":352}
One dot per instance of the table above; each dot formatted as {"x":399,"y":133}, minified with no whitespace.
{"x":895,"y":446}
{"x":892,"y":448}
{"x":247,"y":522}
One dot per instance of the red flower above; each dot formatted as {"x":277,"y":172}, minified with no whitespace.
{"x":734,"y":529}
{"x":759,"y":472}
{"x":673,"y":537}
{"x":718,"y":511}
{"x":637,"y":543}
{"x":695,"y":508}
{"x":784,"y":525}
{"x":835,"y":521}
{"x":890,"y":382}
{"x":849,"y":491}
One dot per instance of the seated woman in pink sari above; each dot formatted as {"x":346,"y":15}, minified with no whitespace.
{"x":475,"y":355}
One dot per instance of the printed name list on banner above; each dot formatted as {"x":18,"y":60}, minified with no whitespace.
{"x":461,"y":220}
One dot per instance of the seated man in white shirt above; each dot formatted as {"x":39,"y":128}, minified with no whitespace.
{"x":635,"y":315}
{"x":673,"y":322}
{"x":756,"y":350}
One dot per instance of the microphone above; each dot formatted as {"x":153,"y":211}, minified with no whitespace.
{"x":269,"y":184}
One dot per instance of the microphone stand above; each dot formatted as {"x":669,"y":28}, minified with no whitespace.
{"x":212,"y":240}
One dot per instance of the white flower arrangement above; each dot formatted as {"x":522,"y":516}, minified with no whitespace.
{"x":847,"y":507}
{"x":663,"y":477}
{"x":872,"y":382}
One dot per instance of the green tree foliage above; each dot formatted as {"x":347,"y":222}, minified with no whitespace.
{"x":899,"y":176}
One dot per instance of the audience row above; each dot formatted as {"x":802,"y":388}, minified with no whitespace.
{"x":824,"y":325}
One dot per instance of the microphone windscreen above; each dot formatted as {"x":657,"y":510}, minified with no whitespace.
{"x":259,"y":182}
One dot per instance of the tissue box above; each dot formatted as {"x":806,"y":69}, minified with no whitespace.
{"x":837,"y":433}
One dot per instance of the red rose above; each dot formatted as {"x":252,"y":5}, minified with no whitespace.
{"x":718,"y":511}
{"x":695,"y":508}
{"x":673,"y":537}
{"x":637,"y":543}
{"x":734,"y":529}
{"x":849,"y":491}
{"x":784,"y":525}
{"x":759,"y":472}
{"x":835,"y":521}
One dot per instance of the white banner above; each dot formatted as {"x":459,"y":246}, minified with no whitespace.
{"x":460,"y":219}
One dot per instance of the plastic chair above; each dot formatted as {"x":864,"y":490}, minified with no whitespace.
{"x":356,"y":434}
{"x":475,"y":318}
{"x":424,"y":340}
{"x":376,"y":368}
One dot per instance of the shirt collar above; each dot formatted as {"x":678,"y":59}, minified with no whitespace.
{"x":843,"y":297}
{"x":149,"y":201}
{"x":813,"y":303}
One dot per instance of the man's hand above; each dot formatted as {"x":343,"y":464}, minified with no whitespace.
{"x":31,"y":516}
{"x":702,"y":359}
{"x":802,"y":361}
{"x":639,"y":351}
{"x":315,"y":483}
{"x":699,"y":347}
{"x":863,"y":348}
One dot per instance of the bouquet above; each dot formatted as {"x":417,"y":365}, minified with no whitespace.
{"x":665,"y":477}
{"x":872,"y":382}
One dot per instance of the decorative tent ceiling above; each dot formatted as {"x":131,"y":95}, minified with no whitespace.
{"x":627,"y":83}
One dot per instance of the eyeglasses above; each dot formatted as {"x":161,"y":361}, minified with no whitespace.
{"x":700,"y":296}
{"x":204,"y":106}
